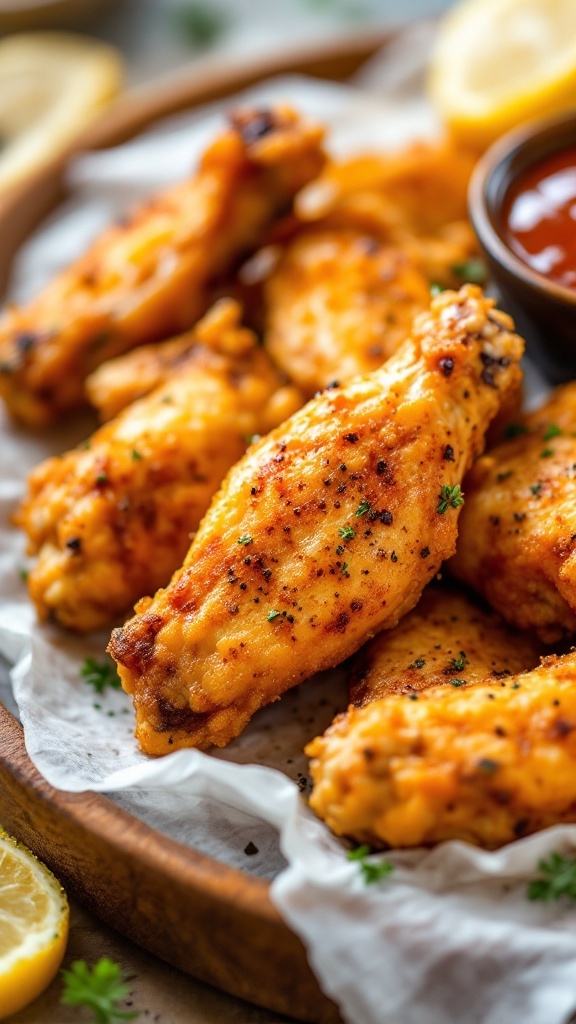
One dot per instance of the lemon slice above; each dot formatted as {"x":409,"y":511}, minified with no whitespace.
{"x":33,"y":926}
{"x":51,"y":85}
{"x":498,"y":63}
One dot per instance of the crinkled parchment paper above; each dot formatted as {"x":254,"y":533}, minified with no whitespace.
{"x":450,"y":936}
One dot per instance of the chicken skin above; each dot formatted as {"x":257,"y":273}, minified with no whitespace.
{"x":414,"y":199}
{"x":323,"y":534}
{"x":339,"y":304}
{"x":111,"y":520}
{"x":147,"y":277}
{"x":447,"y":639}
{"x":485,"y":764}
{"x":517,"y":543}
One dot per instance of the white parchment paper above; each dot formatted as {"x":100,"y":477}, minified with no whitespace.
{"x":450,"y":936}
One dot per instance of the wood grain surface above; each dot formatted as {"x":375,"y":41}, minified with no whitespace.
{"x":201,"y":916}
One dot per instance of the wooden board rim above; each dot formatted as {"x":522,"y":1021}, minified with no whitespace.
{"x":69,"y":831}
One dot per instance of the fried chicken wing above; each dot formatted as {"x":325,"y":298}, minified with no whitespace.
{"x":447,"y":639}
{"x":517,"y":542}
{"x":324,"y":533}
{"x":414,"y":199}
{"x":147,"y":277}
{"x":119,"y":382}
{"x":339,"y":304}
{"x":485,"y":764}
{"x":111,"y":520}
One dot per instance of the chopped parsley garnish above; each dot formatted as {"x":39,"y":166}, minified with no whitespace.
{"x":515,"y":430}
{"x":449,"y":497}
{"x":504,"y":476}
{"x":558,"y":879}
{"x":272,"y":614}
{"x":546,"y":453}
{"x":344,"y":569}
{"x":457,"y":682}
{"x":246,"y":539}
{"x":418,"y":663}
{"x":99,"y":989}
{"x":436,"y":289}
{"x":199,"y":23}
{"x":101,"y":478}
{"x":363,"y":508}
{"x":24,"y":573}
{"x":347,"y":533}
{"x":100,"y":674}
{"x":136,"y":455}
{"x":536,"y":488}
{"x":472,"y":270}
{"x":552,"y":430}
{"x":370,"y":872}
{"x":457,"y":664}
{"x":252,"y":438}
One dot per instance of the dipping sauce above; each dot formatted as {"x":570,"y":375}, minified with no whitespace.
{"x":540,"y":217}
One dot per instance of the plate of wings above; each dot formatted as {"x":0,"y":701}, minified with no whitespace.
{"x":312,"y":452}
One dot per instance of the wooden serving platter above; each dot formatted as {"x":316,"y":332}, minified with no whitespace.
{"x":200,"y":915}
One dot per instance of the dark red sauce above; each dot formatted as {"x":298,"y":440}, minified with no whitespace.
{"x":540,"y":217}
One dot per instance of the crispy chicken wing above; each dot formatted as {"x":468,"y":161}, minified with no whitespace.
{"x":324,"y":533}
{"x":517,"y":542}
{"x":146,"y":277}
{"x":111,"y":520}
{"x":339,"y":304}
{"x":486,"y":764}
{"x":447,"y":638}
{"x":415,"y":199}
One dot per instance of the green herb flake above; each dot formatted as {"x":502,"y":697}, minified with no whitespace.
{"x":472,"y":270}
{"x":500,"y":477}
{"x":371,"y":872}
{"x":252,"y":438}
{"x":558,"y":879}
{"x":552,"y":430}
{"x":515,"y":430}
{"x":436,"y":289}
{"x":457,"y":664}
{"x":166,"y":400}
{"x":136,"y":455}
{"x":246,"y":539}
{"x":457,"y":682}
{"x":418,"y":663}
{"x":449,"y":497}
{"x":24,"y":573}
{"x":101,"y":478}
{"x":100,"y":674}
{"x":200,"y":23}
{"x":272,"y":614}
{"x":363,"y":508}
{"x":347,"y":533}
{"x":546,"y":453}
{"x":344,"y":569}
{"x":99,"y":989}
{"x":536,"y":488}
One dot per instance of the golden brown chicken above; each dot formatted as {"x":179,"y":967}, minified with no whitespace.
{"x":147,"y":277}
{"x":415,"y":199}
{"x":324,"y":533}
{"x":447,"y":639}
{"x":517,"y":544}
{"x":339,"y":304}
{"x":111,"y":520}
{"x":486,"y":764}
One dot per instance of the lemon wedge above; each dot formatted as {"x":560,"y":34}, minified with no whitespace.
{"x":33,"y":926}
{"x":52,"y":84}
{"x":498,"y":63}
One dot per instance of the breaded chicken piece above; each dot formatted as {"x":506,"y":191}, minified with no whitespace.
{"x":339,"y":304}
{"x":119,"y":382}
{"x":111,"y":520}
{"x":485,"y":764}
{"x":517,"y":543}
{"x":414,"y":199}
{"x":147,"y":277}
{"x":447,"y":639}
{"x":324,"y":533}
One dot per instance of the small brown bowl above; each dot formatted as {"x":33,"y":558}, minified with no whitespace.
{"x":544,"y":311}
